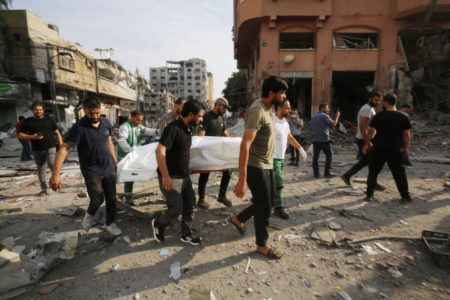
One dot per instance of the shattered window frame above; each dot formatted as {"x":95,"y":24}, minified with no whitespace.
{"x":297,"y":40}
{"x":369,"y":40}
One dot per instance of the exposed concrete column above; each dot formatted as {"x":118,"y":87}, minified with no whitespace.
{"x":323,"y":69}
{"x":386,"y":59}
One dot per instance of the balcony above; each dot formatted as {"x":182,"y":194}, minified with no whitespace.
{"x":421,"y":8}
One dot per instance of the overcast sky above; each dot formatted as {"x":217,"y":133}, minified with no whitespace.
{"x":146,"y":33}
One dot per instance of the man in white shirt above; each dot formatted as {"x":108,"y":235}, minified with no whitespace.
{"x":283,"y":136}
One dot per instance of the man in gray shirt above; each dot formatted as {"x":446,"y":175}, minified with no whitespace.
{"x":172,"y":115}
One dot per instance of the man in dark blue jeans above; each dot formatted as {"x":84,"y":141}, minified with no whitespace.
{"x":92,"y":136}
{"x":320,"y":136}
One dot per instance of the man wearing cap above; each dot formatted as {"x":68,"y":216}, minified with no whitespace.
{"x":214,"y":125}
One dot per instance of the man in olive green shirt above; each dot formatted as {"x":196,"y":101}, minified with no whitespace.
{"x":255,"y":164}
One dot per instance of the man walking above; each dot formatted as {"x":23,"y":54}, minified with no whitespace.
{"x":256,"y":164}
{"x":365,"y":115}
{"x":295,"y":125}
{"x":131,"y":135}
{"x":320,"y":136}
{"x":172,"y":115}
{"x":283,"y":136}
{"x":26,"y":149}
{"x":43,"y":133}
{"x":390,"y":145}
{"x":92,"y":136}
{"x":214,"y":125}
{"x":172,"y":156}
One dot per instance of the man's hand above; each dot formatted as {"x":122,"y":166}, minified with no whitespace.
{"x":55,"y":182}
{"x":366,"y":148}
{"x":405,"y":151}
{"x":37,"y":136}
{"x":240,"y":188}
{"x":167,"y":183}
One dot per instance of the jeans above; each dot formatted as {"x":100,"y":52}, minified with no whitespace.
{"x":40,"y":158}
{"x":262,"y":186}
{"x":394,"y":159}
{"x":180,"y":200}
{"x":278,"y":165}
{"x":99,"y":189}
{"x":363,"y":160}
{"x":203,"y":180}
{"x":26,"y":150}
{"x":326,"y":148}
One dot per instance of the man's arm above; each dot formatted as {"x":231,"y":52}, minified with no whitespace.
{"x":293,"y":142}
{"x":367,"y":144}
{"x":112,"y":150}
{"x":247,"y":140}
{"x":160,"y":153}
{"x":25,"y":136}
{"x":336,"y":119}
{"x":363,"y":121}
{"x":406,"y":140}
{"x":58,"y":137}
{"x":226,"y":133}
{"x":122,"y":141}
{"x":150,"y":131}
{"x":201,"y":133}
{"x":55,"y":180}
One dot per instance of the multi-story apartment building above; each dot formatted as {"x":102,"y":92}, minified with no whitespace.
{"x":332,"y":51}
{"x":188,"y":78}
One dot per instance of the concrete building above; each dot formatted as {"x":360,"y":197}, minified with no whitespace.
{"x":187,"y":78}
{"x":331,"y":51}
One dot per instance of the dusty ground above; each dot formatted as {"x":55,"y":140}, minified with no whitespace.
{"x":309,"y":270}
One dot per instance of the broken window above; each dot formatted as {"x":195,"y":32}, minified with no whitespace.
{"x":355,"y":40}
{"x":66,"y":61}
{"x":296,"y":40}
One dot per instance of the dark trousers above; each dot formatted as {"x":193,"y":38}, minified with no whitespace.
{"x":26,"y":150}
{"x":180,"y":200}
{"x":295,"y":153}
{"x":40,"y":158}
{"x":363,"y":160}
{"x":262,"y":186}
{"x":99,"y":189}
{"x":203,"y":180}
{"x":394,"y":159}
{"x":326,"y":148}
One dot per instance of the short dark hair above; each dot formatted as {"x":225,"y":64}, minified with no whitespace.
{"x":21,"y":118}
{"x":274,"y":84}
{"x":373,"y":94}
{"x":136,"y":113}
{"x":91,"y":102}
{"x":192,"y":106}
{"x":179,"y":100}
{"x":280,"y":104}
{"x":390,"y":98}
{"x":322,"y":105}
{"x":36,"y":103}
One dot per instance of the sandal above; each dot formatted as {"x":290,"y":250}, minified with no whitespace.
{"x":272,"y":254}
{"x":238,"y":225}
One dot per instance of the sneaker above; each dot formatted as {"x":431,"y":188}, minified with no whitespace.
{"x":280,"y":212}
{"x":193,"y":240}
{"x":369,"y":199}
{"x":158,"y":233}
{"x":87,"y":221}
{"x":406,"y":200}
{"x":43,"y":193}
{"x":113,"y":229}
{"x":379,"y":187}
{"x":224,"y":200}
{"x":346,"y":180}
{"x":202,"y":203}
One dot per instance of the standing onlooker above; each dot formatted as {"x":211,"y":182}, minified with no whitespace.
{"x":320,"y":136}
{"x":43,"y":133}
{"x":390,"y":144}
{"x":172,"y":156}
{"x":295,"y":125}
{"x":365,"y":114}
{"x":283,"y":136}
{"x":26,"y":148}
{"x":214,"y":125}
{"x":256,"y":164}
{"x":131,"y":135}
{"x":97,"y":156}
{"x":407,"y":110}
{"x":172,"y":115}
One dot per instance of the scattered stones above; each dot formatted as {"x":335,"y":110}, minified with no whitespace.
{"x":114,"y":268}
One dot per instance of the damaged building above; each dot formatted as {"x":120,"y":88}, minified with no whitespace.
{"x":36,"y":63}
{"x":335,"y":51}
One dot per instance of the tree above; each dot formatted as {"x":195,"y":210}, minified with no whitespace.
{"x":4,"y":4}
{"x":236,"y":90}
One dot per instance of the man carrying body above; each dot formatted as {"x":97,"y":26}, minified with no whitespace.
{"x":256,"y":164}
{"x":172,"y":156}
{"x":131,"y":135}
{"x":389,"y":145}
{"x":320,"y":136}
{"x":43,"y":133}
{"x":283,"y":136}
{"x":214,"y":125}
{"x":172,"y":115}
{"x":365,"y":114}
{"x":26,"y":150}
{"x":92,"y":136}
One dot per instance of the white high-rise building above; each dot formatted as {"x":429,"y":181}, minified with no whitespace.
{"x":187,"y":78}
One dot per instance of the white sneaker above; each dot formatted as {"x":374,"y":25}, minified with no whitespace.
{"x":113,"y":229}
{"x":87,"y":221}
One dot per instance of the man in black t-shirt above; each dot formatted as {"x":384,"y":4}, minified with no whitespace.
{"x":390,"y":145}
{"x":43,"y":133}
{"x":214,"y":125}
{"x":172,"y":156}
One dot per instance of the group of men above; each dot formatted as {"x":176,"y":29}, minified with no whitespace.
{"x":264,"y":143}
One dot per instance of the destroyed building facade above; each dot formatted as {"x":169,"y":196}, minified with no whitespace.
{"x":334,"y":51}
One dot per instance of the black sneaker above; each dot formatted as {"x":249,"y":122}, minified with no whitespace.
{"x":346,"y":180}
{"x":158,"y":233}
{"x":280,"y":212}
{"x":193,"y":240}
{"x":406,"y":200}
{"x":379,"y":187}
{"x":369,"y":199}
